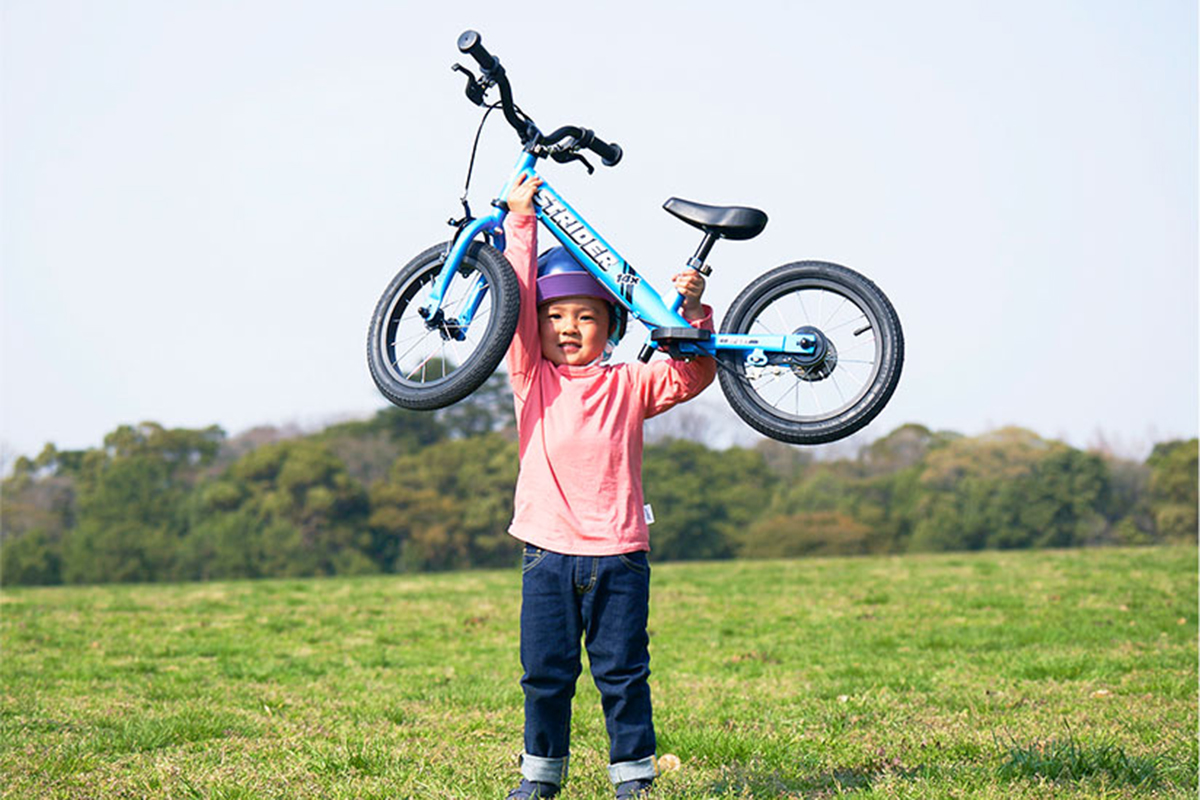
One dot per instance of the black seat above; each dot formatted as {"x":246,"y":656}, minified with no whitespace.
{"x":728,"y":222}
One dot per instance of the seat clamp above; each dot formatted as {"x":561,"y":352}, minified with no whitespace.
{"x":699,"y":266}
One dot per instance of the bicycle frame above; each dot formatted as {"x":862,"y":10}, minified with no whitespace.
{"x":613,"y":272}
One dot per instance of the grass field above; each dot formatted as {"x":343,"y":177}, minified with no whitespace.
{"x":1031,"y":674}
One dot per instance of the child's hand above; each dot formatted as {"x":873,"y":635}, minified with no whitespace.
{"x":520,"y":198}
{"x":690,"y":284}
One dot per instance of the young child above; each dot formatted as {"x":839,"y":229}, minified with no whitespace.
{"x":579,"y":506}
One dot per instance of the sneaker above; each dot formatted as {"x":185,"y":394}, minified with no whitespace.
{"x":634,"y":790}
{"x":529,"y":790}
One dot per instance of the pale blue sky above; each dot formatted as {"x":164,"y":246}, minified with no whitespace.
{"x":202,"y":201}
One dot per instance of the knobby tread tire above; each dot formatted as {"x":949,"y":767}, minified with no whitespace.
{"x":505,"y":298}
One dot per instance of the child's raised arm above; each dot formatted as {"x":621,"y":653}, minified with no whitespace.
{"x":520,"y":231}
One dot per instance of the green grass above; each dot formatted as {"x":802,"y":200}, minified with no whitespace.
{"x":997,"y":675}
{"x":1070,"y":760}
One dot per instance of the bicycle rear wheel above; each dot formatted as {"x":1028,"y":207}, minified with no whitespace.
{"x":425,"y":364}
{"x":806,"y":402}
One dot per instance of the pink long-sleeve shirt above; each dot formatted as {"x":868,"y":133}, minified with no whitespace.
{"x":579,"y":489}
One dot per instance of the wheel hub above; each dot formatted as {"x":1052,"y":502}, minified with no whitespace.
{"x":817,"y":366}
{"x":447,"y":327}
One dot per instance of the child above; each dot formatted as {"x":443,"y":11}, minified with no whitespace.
{"x":579,"y":506}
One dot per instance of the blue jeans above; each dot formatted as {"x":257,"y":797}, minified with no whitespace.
{"x":605,"y":601}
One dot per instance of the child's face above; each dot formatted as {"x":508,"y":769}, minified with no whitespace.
{"x":574,"y":330}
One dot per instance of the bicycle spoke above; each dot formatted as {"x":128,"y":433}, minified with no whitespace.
{"x":779,"y":398}
{"x":835,"y":311}
{"x":760,"y":386}
{"x":816,"y":397}
{"x":779,"y":311}
{"x":397,"y":342}
{"x":836,"y":385}
{"x":844,"y":324}
{"x":412,"y":351}
{"x":758,"y":321}
{"x":481,"y":316}
{"x":855,"y":346}
{"x":799,"y":295}
{"x":400,"y":357}
{"x":420,"y":367}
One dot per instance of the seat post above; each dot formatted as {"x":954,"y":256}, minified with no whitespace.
{"x":696,"y":262}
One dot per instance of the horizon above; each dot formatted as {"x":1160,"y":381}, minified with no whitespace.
{"x":681,"y":422}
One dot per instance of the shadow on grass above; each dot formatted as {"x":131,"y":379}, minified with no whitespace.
{"x":759,"y":782}
{"x":1063,"y":761}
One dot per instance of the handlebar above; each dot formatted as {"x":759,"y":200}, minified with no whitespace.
{"x":471,"y":43}
{"x":610,"y":154}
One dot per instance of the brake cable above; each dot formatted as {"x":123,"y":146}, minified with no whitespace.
{"x":474,"y":148}
{"x":471,"y":165}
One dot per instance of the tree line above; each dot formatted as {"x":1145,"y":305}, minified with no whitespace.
{"x":407,"y":491}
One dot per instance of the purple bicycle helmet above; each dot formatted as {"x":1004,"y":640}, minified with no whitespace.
{"x":560,"y":275}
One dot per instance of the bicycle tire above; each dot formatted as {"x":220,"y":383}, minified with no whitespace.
{"x":861,"y":308}
{"x":424,"y":368}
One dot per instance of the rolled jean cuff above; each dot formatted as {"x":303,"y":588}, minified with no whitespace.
{"x":640,"y":770}
{"x":544,"y":770}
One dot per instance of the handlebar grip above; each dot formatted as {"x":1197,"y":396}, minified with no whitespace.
{"x":610,"y":154}
{"x":471,"y":43}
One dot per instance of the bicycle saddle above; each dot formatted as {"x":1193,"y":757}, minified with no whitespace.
{"x":728,"y":222}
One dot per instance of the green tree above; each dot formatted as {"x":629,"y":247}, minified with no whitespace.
{"x":447,"y":507}
{"x":488,"y":409}
{"x":1172,"y":487}
{"x":37,"y":512}
{"x":814,"y":533}
{"x":1130,"y":520}
{"x":131,"y":503}
{"x":901,"y":449}
{"x":702,"y":498}
{"x":368,"y":447}
{"x":287,"y":508}
{"x":788,"y":461}
{"x":826,"y":508}
{"x":1009,"y":488}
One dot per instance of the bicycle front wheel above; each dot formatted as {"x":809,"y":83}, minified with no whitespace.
{"x":807,"y":401}
{"x":424,"y":363}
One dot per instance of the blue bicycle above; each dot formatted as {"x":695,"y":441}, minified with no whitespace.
{"x":809,"y":352}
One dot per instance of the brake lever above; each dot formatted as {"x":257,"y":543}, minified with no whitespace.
{"x":563,"y":158}
{"x":474,"y":89}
